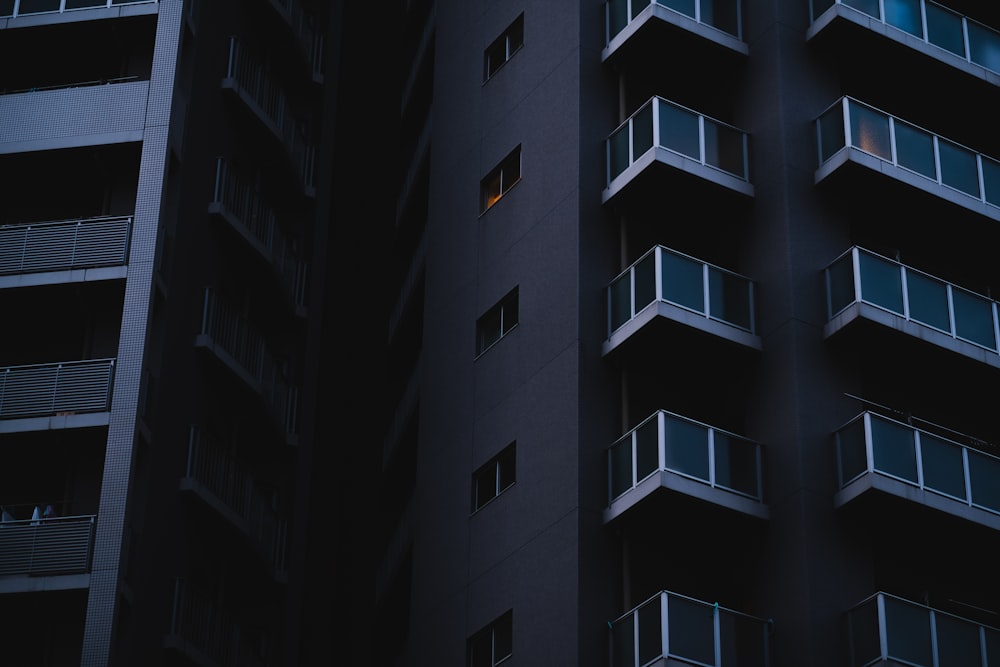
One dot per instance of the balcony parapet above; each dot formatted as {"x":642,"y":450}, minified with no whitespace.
{"x":889,"y":630}
{"x":64,"y":245}
{"x":877,"y":452}
{"x":861,"y":283}
{"x":46,"y":389}
{"x":928,"y":26}
{"x":718,"y":21}
{"x":668,"y":133}
{"x":851,"y":131}
{"x":49,"y":546}
{"x":667,"y":283}
{"x":677,"y":453}
{"x":16,"y":8}
{"x":310,"y":41}
{"x":673,"y":627}
{"x":213,"y":472}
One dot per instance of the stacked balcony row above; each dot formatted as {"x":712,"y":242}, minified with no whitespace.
{"x":14,"y":8}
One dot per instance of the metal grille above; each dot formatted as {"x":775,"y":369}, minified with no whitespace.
{"x":64,"y":244}
{"x":46,"y":546}
{"x":45,"y":389}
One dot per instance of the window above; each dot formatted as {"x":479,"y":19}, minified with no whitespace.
{"x":501,"y":179}
{"x":503,"y":47}
{"x":493,"y":478}
{"x":492,"y":645}
{"x":497,"y":322}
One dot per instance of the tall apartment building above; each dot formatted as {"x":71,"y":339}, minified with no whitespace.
{"x":693,"y":335}
{"x":163,"y":234}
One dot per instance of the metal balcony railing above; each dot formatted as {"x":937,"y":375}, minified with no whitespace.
{"x":65,"y":244}
{"x":662,"y":274}
{"x":25,"y":7}
{"x":232,"y":484}
{"x":670,"y":625}
{"x":60,"y":545}
{"x":721,"y":15}
{"x":862,"y":276}
{"x":885,"y":629}
{"x":214,"y":631}
{"x":928,"y":21}
{"x":872,"y":444}
{"x":668,"y":442}
{"x":849,"y":123}
{"x":232,"y":332}
{"x":663,"y":124}
{"x":310,"y":41}
{"x":46,"y":389}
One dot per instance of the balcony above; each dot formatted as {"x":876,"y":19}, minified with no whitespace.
{"x":684,"y":456}
{"x":55,"y":395}
{"x":225,"y":486}
{"x":209,"y":635}
{"x":878,"y":453}
{"x":668,"y":285}
{"x":930,"y":28}
{"x":240,"y":205}
{"x":704,"y":29}
{"x":50,"y":546}
{"x":267,"y":102}
{"x":677,"y":629}
{"x":664,"y":134}
{"x":242,"y":349}
{"x":81,"y":249}
{"x":309,"y":41}
{"x":863,"y":285}
{"x":16,"y":8}
{"x":888,"y":630}
{"x":853,"y":132}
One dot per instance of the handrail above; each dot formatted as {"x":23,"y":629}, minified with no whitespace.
{"x":64,"y":244}
{"x":43,"y":389}
{"x":61,"y":6}
{"x":75,"y":84}
{"x":55,"y":545}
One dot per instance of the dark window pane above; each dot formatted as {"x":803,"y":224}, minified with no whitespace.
{"x":729,"y":298}
{"x":905,"y":15}
{"x":617,"y":16}
{"x":908,"y":632}
{"x":928,"y":300}
{"x":869,"y":7}
{"x":881,"y":282}
{"x":736,"y":464}
{"x":642,"y":131}
{"x":503,"y":637}
{"x":863,"y":624}
{"x":870,"y":131}
{"x":650,"y":631}
{"x":914,"y":149}
{"x":943,"y":467}
{"x":818,"y":7}
{"x":958,"y":168}
{"x":691,"y":627}
{"x":984,"y":478}
{"x":893,"y":449}
{"x":683,"y":281}
{"x":510,"y":171}
{"x":974,"y":318}
{"x":77,"y":4}
{"x":724,"y":148}
{"x":506,"y":469}
{"x":831,"y":132}
{"x":958,"y":642}
{"x":621,"y":466}
{"x":621,"y":301}
{"x":647,"y":448}
{"x":6,"y":7}
{"x":944,"y":28}
{"x":841,"y":282}
{"x":623,"y":640}
{"x":984,"y":46}
{"x":645,"y":281}
{"x":991,"y":181}
{"x":685,"y":7}
{"x":742,"y":641}
{"x":992,"y":647}
{"x":485,"y":487}
{"x":852,"y":451}
{"x":686,"y":447}
{"x":618,"y":152}
{"x":722,"y":14}
{"x":679,"y":130}
{"x":35,"y":6}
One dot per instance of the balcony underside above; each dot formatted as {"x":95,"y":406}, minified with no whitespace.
{"x":33,"y":584}
{"x":648,"y":318}
{"x":661,"y":488}
{"x":62,"y":277}
{"x":54,"y":422}
{"x":91,"y":14}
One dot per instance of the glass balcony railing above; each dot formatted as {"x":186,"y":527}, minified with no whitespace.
{"x":666,"y":275}
{"x":928,"y":21}
{"x":861,"y":276}
{"x":65,"y":244}
{"x":670,"y":625}
{"x":852,"y":124}
{"x":59,"y":545}
{"x":676,"y":444}
{"x":721,"y":15}
{"x":872,"y":444}
{"x":216,"y":633}
{"x":885,"y":629}
{"x":663,"y":124}
{"x":26,"y":7}
{"x":39,"y":390}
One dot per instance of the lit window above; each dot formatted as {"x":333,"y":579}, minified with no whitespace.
{"x":493,"y":478}
{"x":492,"y":645}
{"x":503,"y":47}
{"x":496,"y":322}
{"x":501,"y":179}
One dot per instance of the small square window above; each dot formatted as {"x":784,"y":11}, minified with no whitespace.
{"x":494,"y":643}
{"x":496,"y":322}
{"x":503,"y":47}
{"x":501,"y":179}
{"x":493,"y":478}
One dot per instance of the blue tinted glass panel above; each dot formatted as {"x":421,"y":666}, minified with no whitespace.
{"x":685,"y":7}
{"x":928,"y":300}
{"x":621,"y":467}
{"x":914,"y":149}
{"x":683,"y":281}
{"x":881,"y":282}
{"x":722,"y":14}
{"x":621,"y":301}
{"x":984,"y":46}
{"x":618,"y":153}
{"x":984,"y":478}
{"x":729,"y":298}
{"x":617,"y":16}
{"x":650,"y":632}
{"x":742,"y":641}
{"x":974,"y":318}
{"x":647,"y":449}
{"x":991,"y":181}
{"x":942,"y":465}
{"x":992,"y":646}
{"x":957,"y":642}
{"x":908,"y":632}
{"x":645,"y":281}
{"x":869,"y":7}
{"x":724,"y":148}
{"x":736,"y":464}
{"x":870,"y":131}
{"x":679,"y":130}
{"x":77,"y":4}
{"x":958,"y":168}
{"x":831,"y":132}
{"x":893,"y":449}
{"x":692,"y":629}
{"x":623,"y":642}
{"x":905,"y":15}
{"x":686,"y":447}
{"x":863,"y":627}
{"x":944,"y":29}
{"x":36,"y":6}
{"x":642,"y":131}
{"x":6,"y":7}
{"x":817,"y":7}
{"x":840,"y":277}
{"x":851,"y":450}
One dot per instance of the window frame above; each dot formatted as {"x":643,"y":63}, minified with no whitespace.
{"x":500,"y":179}
{"x":503,"y":622}
{"x":492,"y":472}
{"x":497,"y":322}
{"x":503,"y":48}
